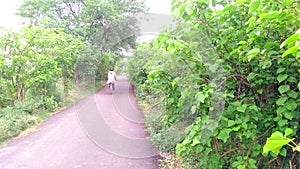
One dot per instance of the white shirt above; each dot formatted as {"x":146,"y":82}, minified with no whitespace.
{"x":111,"y":76}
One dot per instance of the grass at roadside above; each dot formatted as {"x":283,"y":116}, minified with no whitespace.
{"x":23,"y":118}
{"x":168,"y":159}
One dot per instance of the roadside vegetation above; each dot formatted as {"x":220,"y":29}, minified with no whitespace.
{"x":219,"y":90}
{"x":222,"y":88}
{"x":61,"y":55}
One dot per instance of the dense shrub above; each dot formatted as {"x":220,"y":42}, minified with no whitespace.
{"x":232,"y":76}
{"x":13,"y":120}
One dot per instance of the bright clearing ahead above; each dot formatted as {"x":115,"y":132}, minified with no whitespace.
{"x":159,"y":6}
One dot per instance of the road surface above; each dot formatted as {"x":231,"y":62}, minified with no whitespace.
{"x":102,"y":131}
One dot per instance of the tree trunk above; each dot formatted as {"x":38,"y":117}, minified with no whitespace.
{"x":22,"y":93}
{"x":65,"y":81}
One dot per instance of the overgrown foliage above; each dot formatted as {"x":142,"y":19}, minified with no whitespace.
{"x":67,"y":45}
{"x":278,"y":140}
{"x":36,"y":58}
{"x":15,"y":119}
{"x":228,"y":77}
{"x":107,"y":27}
{"x":107,"y":24}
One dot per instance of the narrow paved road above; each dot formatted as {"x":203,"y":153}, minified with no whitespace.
{"x":102,"y":131}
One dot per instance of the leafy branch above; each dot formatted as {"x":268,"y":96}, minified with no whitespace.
{"x":278,"y":140}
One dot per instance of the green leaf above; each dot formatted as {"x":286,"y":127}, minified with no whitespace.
{"x":182,"y":8}
{"x":287,"y":2}
{"x":236,"y":128}
{"x":292,"y":79}
{"x":214,"y":2}
{"x":235,"y":164}
{"x":292,"y":50}
{"x":266,"y":64}
{"x":280,"y":70}
{"x":290,"y":40}
{"x":251,"y":20}
{"x":231,"y":123}
{"x":283,"y":152}
{"x":282,"y":122}
{"x":281,"y":100}
{"x":236,"y":104}
{"x":199,"y":148}
{"x":170,"y":100}
{"x":275,"y":142}
{"x":281,"y":77}
{"x":253,"y":107}
{"x":252,"y":53}
{"x":213,"y":67}
{"x":253,"y":6}
{"x":289,"y":115}
{"x":292,"y":94}
{"x":241,"y":166}
{"x":291,"y":106}
{"x":251,"y":76}
{"x":242,"y":43}
{"x":224,"y":134}
{"x":280,"y":110}
{"x":256,"y":149}
{"x":299,"y":86}
{"x":186,"y":141}
{"x":195,"y":141}
{"x":283,"y":88}
{"x":288,"y":132}
{"x":212,"y":126}
{"x":260,"y":91}
{"x":242,"y":108}
{"x":201,"y":97}
{"x":257,"y":32}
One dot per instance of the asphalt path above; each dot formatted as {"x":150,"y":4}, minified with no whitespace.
{"x":102,"y":131}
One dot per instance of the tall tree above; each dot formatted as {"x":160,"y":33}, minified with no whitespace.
{"x":35,"y":58}
{"x":108,"y":24}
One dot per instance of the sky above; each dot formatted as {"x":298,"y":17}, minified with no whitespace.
{"x":159,"y":6}
{"x":8,"y":19}
{"x":161,"y":12}
{"x":8,"y":9}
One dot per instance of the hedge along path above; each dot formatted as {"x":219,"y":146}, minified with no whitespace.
{"x":92,"y":133}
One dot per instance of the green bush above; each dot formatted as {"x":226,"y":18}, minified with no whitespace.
{"x":49,"y":103}
{"x":13,"y":120}
{"x":235,"y":73}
